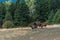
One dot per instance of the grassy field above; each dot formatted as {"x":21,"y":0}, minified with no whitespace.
{"x":29,"y":34}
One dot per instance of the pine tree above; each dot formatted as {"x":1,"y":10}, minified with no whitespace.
{"x":1,"y":14}
{"x":42,"y":10}
{"x":21,"y":16}
{"x":56,"y":18}
{"x":7,"y":23}
{"x":32,"y":5}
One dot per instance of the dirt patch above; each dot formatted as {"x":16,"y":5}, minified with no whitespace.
{"x":25,"y":28}
{"x":29,"y":34}
{"x":53,"y":26}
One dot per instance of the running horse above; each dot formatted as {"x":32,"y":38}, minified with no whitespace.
{"x":38,"y":24}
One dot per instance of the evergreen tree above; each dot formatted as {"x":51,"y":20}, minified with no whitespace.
{"x":32,"y":5}
{"x":21,"y":16}
{"x":56,"y":18}
{"x":1,"y":15}
{"x":7,"y":23}
{"x":42,"y":10}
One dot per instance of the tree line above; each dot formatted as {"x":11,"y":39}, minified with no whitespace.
{"x":22,"y":13}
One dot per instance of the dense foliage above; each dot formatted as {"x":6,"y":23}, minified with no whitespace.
{"x":22,"y":13}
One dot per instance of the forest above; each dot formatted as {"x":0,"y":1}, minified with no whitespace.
{"x":23,"y":12}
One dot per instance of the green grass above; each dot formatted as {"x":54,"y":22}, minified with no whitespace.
{"x":29,"y":34}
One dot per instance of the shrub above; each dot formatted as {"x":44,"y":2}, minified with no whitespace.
{"x":8,"y":24}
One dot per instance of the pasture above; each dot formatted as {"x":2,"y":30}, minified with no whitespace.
{"x":30,"y":34}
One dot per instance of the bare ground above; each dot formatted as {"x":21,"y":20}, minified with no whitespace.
{"x":51,"y":32}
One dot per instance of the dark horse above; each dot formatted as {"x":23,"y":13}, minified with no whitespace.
{"x":38,"y":24}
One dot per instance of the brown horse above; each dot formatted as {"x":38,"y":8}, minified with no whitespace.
{"x":38,"y":24}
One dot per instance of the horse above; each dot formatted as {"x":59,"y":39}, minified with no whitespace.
{"x":33,"y":26}
{"x":38,"y":24}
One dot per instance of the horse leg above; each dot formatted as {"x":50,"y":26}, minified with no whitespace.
{"x":33,"y":26}
{"x":45,"y":26}
{"x":41,"y":26}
